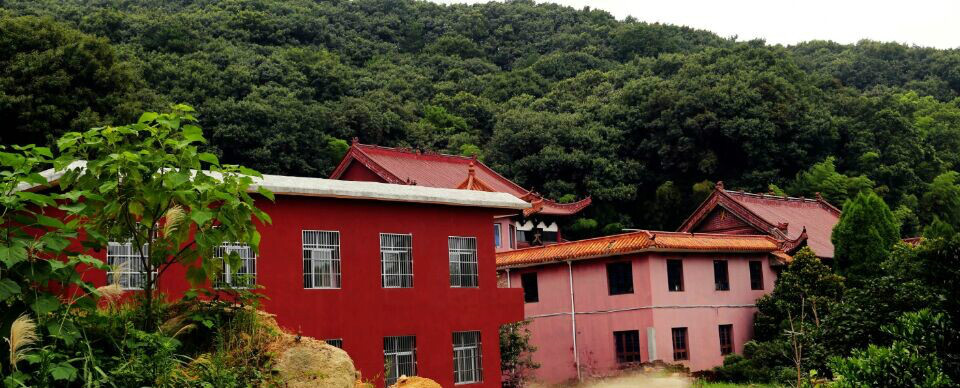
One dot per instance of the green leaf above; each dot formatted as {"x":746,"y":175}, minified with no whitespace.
{"x":63,"y":371}
{"x":38,"y":199}
{"x":193,"y":133}
{"x":201,"y":216}
{"x":11,"y":255}
{"x":45,"y":304}
{"x":209,"y":158}
{"x":266,"y":193}
{"x":147,"y":117}
{"x":8,"y":288}
{"x":49,"y":221}
{"x":44,"y":151}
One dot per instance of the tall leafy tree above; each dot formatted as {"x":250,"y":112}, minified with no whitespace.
{"x":148,"y":184}
{"x":864,"y":236}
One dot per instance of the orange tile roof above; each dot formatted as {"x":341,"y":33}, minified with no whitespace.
{"x":639,"y":241}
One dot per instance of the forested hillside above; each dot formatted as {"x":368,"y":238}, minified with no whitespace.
{"x":643,"y":117}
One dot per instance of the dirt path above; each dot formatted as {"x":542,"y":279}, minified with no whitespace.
{"x":635,"y":381}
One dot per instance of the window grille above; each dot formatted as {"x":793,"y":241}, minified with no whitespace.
{"x":463,"y":261}
{"x":126,"y":268}
{"x":244,"y":276}
{"x":721,"y":277}
{"x":335,"y":342}
{"x":497,"y":238}
{"x":620,"y":278}
{"x":756,"y":275}
{"x":627,"y":346}
{"x":675,"y":275}
{"x":467,"y":365}
{"x":726,"y":339}
{"x":680,"y":351}
{"x":531,"y":291}
{"x":400,"y":357}
{"x":321,"y":259}
{"x":396,"y":254}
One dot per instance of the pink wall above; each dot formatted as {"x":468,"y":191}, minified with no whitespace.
{"x":699,"y":308}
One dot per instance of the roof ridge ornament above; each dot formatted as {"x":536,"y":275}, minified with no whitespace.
{"x":719,"y":185}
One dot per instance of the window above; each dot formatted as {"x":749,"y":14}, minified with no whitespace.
{"x":399,"y":357}
{"x":721,"y":278}
{"x":335,"y":342}
{"x":321,"y":259}
{"x":531,"y":293}
{"x":396,"y":255}
{"x":675,"y":275}
{"x":627,"y":345}
{"x":466,"y":357}
{"x":512,"y":229}
{"x":245,"y":275}
{"x":726,"y":339}
{"x":463,"y":261}
{"x":680,"y":344}
{"x":756,"y":275}
{"x":126,"y":268}
{"x":620,"y":278}
{"x":496,"y":236}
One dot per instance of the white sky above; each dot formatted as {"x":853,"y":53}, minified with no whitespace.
{"x":934,"y":23}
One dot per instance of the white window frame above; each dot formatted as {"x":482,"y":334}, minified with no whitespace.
{"x":467,"y":358}
{"x":125,"y":262}
{"x":321,"y":252}
{"x":394,"y":348}
{"x":245,"y":276}
{"x":464,"y":267}
{"x":396,"y":246}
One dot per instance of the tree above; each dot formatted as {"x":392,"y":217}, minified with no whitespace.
{"x":54,"y":78}
{"x":823,"y":178}
{"x":516,"y":354}
{"x":911,"y":361}
{"x":864,"y":235}
{"x":149,"y":185}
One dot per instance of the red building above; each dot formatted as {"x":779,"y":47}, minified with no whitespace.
{"x":599,"y":305}
{"x":798,"y":221}
{"x":536,"y":225}
{"x":401,"y":277}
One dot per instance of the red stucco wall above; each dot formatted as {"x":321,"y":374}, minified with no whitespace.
{"x":362,"y":312}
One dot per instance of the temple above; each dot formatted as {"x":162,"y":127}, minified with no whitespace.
{"x":798,"y":222}
{"x":530,"y":227}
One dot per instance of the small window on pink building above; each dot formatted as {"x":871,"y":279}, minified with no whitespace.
{"x":675,"y":275}
{"x":628,"y":346}
{"x":756,"y":275}
{"x":531,"y":291}
{"x":620,"y":278}
{"x":721,"y":277}
{"x":726,"y":339}
{"x":680,"y":351}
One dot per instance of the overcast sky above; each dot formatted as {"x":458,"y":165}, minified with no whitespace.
{"x":933,"y":23}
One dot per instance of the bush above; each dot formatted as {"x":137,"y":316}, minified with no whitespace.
{"x":900,"y":365}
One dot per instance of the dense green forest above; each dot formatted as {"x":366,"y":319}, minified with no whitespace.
{"x":643,"y":117}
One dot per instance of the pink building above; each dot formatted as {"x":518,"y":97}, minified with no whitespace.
{"x":601,"y":304}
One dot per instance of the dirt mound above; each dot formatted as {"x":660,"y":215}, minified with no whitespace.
{"x":304,"y":362}
{"x":415,"y":382}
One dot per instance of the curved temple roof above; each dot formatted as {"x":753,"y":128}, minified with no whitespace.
{"x":409,"y":167}
{"x":801,"y":220}
{"x":640,"y":241}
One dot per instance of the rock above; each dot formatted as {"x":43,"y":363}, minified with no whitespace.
{"x":415,"y":382}
{"x":304,"y":362}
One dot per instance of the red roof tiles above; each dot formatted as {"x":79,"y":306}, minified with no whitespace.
{"x":638,"y":242}
{"x":789,"y":218}
{"x":404,"y":166}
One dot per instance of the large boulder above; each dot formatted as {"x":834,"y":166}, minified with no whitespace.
{"x":415,"y":382}
{"x":304,"y":362}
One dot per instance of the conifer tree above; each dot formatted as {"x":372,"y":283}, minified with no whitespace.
{"x":864,"y":236}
